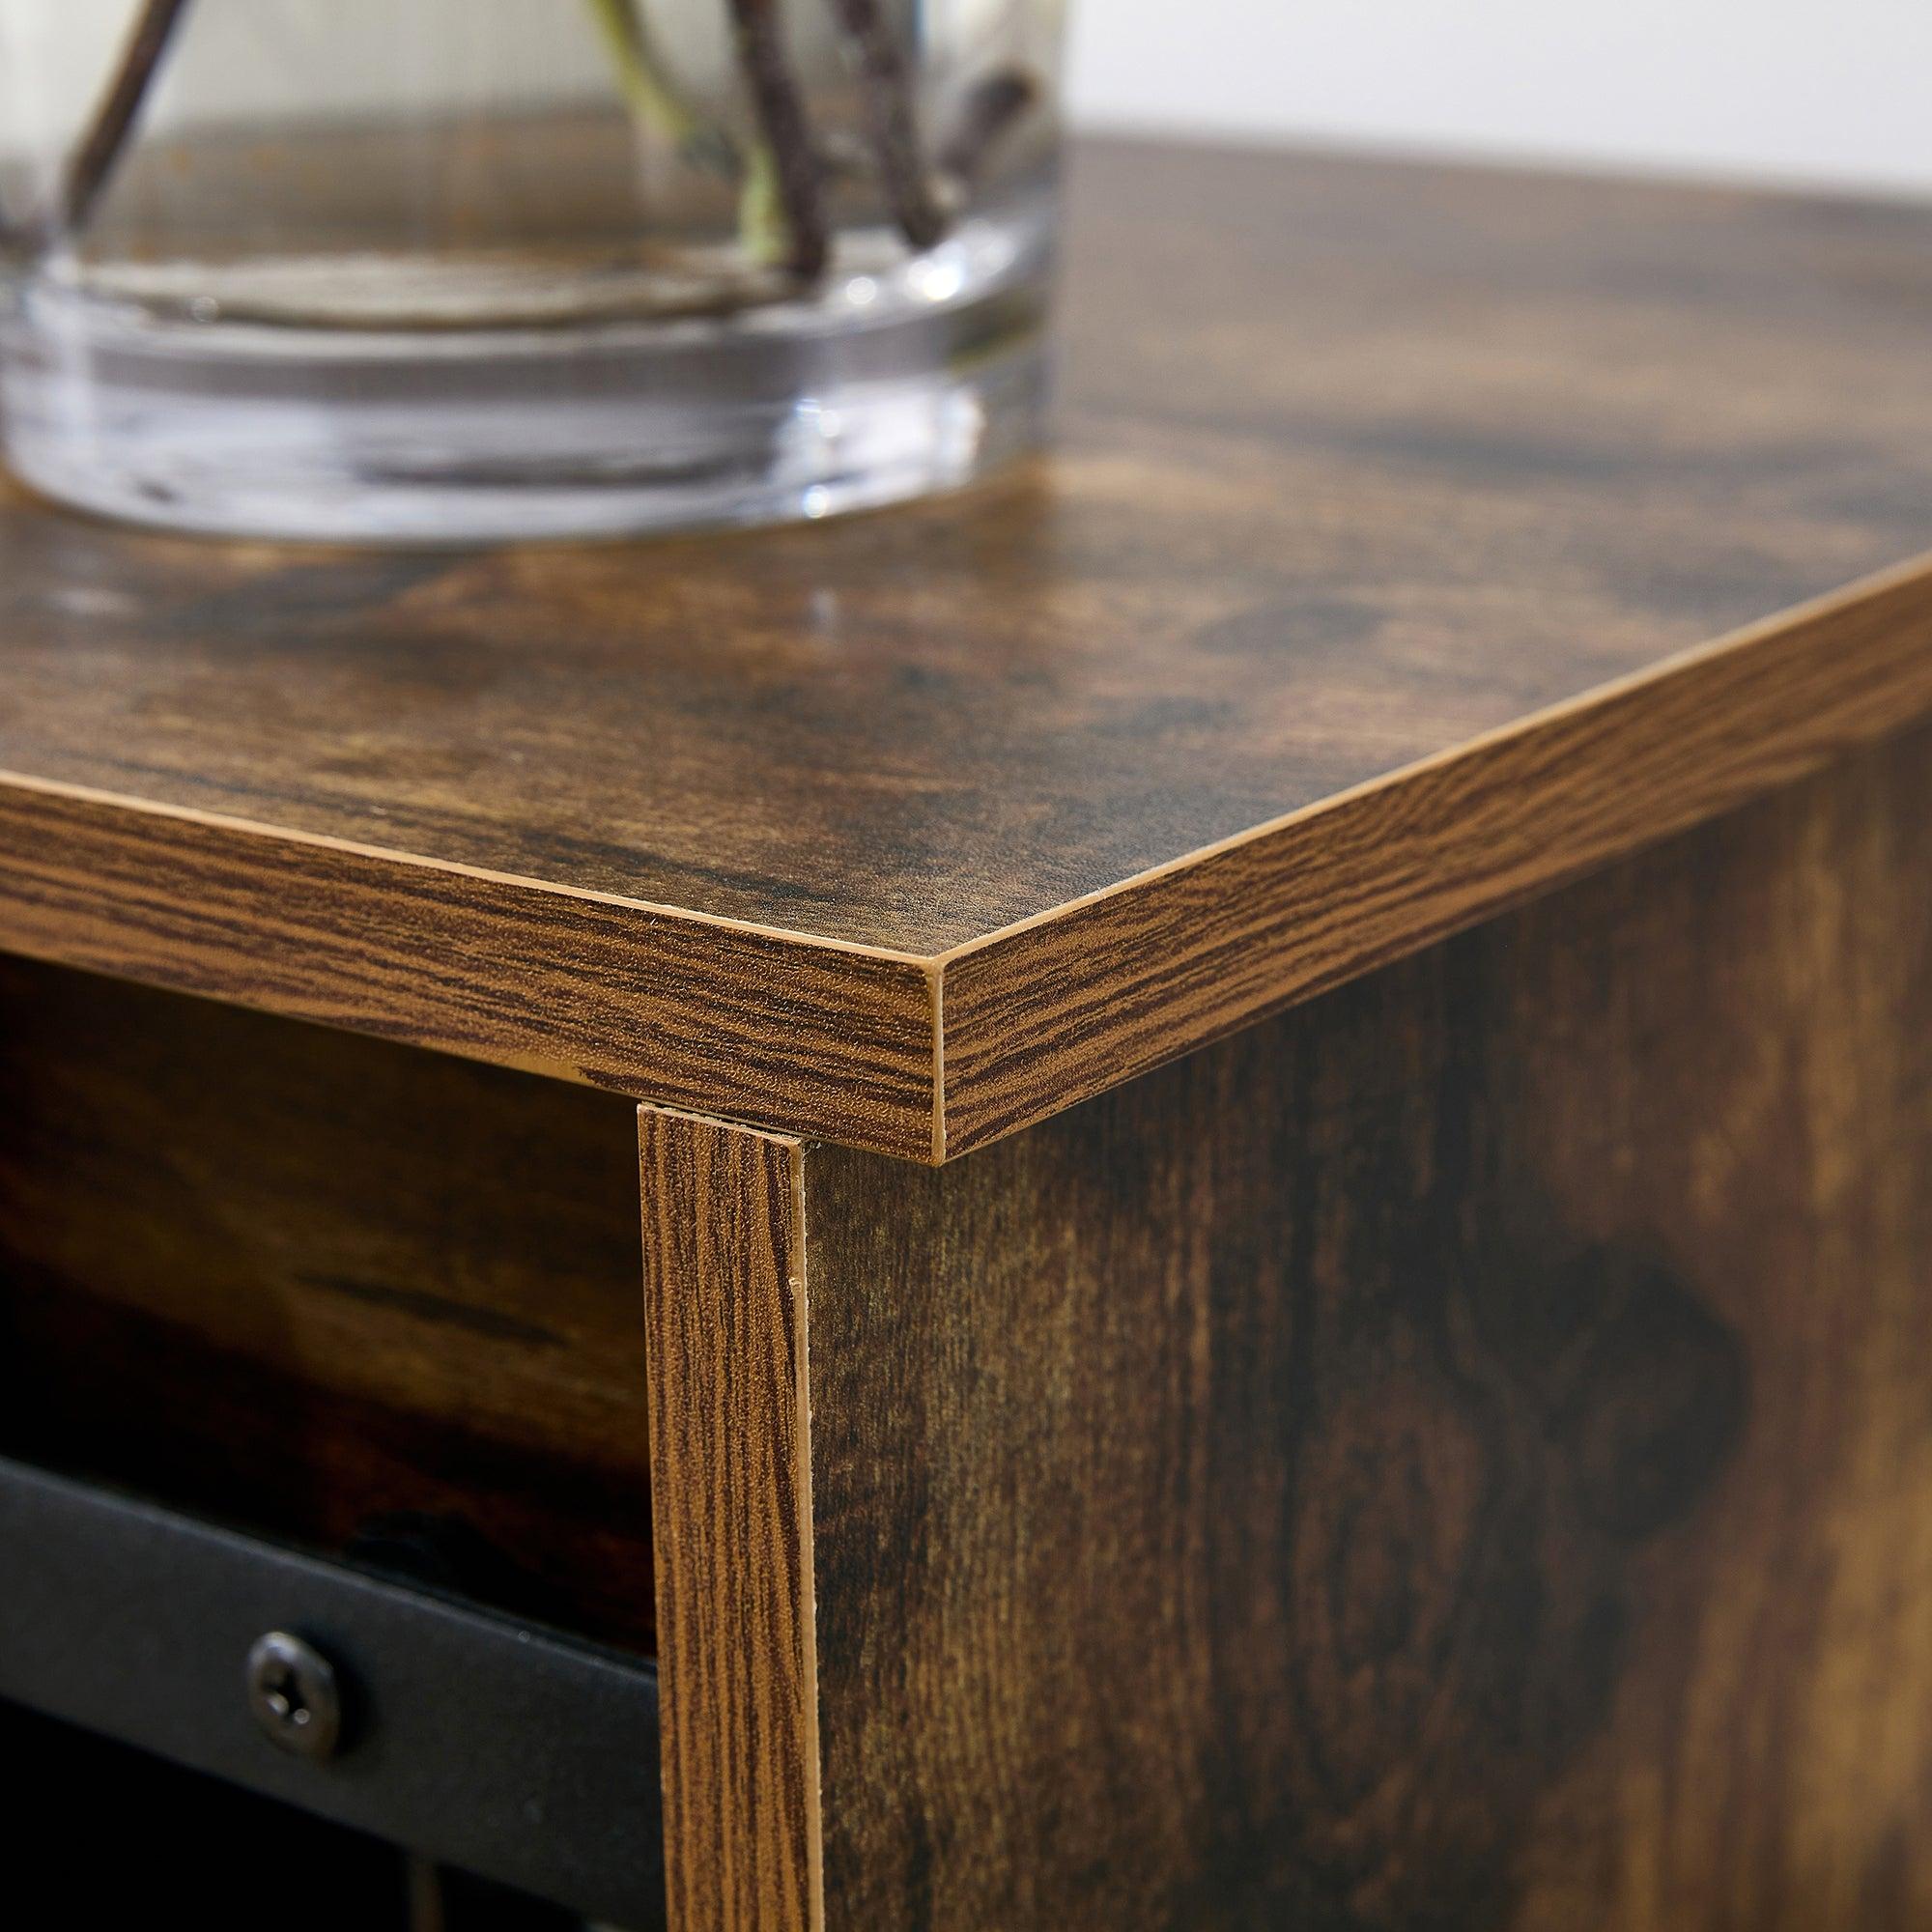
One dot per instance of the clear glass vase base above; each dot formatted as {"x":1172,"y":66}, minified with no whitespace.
{"x":407,"y":439}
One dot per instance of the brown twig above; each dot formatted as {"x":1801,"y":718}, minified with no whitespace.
{"x":759,"y":31}
{"x":913,"y":193}
{"x":990,"y":110}
{"x":100,"y":150}
{"x":885,"y":80}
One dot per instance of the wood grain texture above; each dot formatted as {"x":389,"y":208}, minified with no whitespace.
{"x":1457,"y":1456}
{"x":732,"y":1500}
{"x":314,"y":1284}
{"x":621,"y":996}
{"x":1359,"y":464}
{"x":1067,"y":1007}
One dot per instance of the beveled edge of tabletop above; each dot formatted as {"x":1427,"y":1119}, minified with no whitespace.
{"x":928,"y":1057}
{"x":779,"y":1028}
{"x":1055,"y":1009}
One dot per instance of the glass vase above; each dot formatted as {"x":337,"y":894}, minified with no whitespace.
{"x":452,"y":270}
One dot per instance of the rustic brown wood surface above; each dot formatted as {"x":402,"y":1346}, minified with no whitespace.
{"x":312,"y":1283}
{"x":495,"y":969}
{"x":1457,"y":1456}
{"x":724,"y":1303}
{"x":1360,"y":465}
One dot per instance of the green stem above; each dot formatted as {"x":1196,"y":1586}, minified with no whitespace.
{"x":655,"y":97}
{"x":652,"y":94}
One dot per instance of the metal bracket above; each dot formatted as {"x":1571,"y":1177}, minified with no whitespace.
{"x":499,"y":1747}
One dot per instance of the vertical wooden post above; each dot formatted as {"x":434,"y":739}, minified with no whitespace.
{"x":731,"y":1510}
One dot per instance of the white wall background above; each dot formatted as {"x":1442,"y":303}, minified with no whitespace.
{"x":1826,"y":91}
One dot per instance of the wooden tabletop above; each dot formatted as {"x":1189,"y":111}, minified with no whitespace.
{"x":1415,"y":537}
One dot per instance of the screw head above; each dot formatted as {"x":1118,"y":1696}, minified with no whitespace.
{"x":292,"y":1692}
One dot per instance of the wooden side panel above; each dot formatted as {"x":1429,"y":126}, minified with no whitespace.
{"x":724,"y":1301}
{"x":1457,"y":1456}
{"x":314,"y":1283}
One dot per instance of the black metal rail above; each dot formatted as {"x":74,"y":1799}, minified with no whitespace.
{"x":495,"y":1746}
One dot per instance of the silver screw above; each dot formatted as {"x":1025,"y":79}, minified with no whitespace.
{"x":292,"y":1692}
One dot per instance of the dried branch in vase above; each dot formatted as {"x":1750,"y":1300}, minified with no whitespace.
{"x":782,"y":173}
{"x":759,"y":30}
{"x":107,"y":137}
{"x":884,"y":83}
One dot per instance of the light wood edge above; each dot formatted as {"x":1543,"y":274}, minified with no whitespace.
{"x":738,"y":1667}
{"x":282,"y":834}
{"x":786,"y":1034}
{"x":1056,"y":1009}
